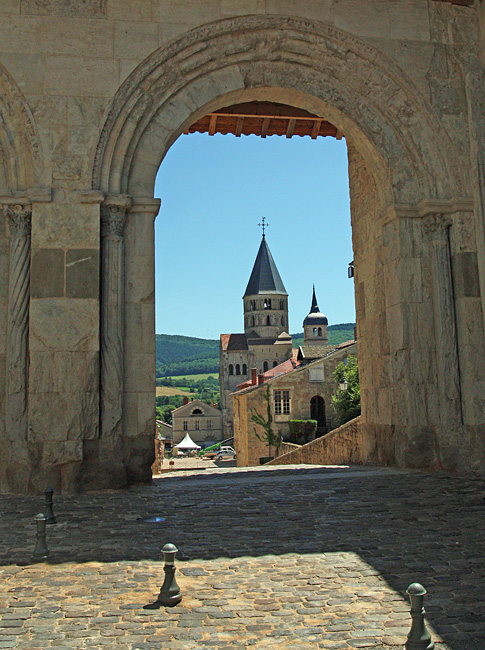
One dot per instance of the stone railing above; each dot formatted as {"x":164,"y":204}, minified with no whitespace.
{"x":342,"y":446}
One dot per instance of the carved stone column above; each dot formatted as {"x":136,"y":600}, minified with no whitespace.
{"x":447,"y":361}
{"x":19,"y":217}
{"x":113,"y":218}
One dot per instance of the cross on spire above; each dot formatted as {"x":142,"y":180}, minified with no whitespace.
{"x":263,"y":224}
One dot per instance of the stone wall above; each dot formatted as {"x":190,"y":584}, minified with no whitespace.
{"x":343,"y":446}
{"x":92,"y":95}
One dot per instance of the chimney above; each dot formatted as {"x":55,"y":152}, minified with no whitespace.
{"x":260,"y":380}
{"x":185,"y":401}
{"x":253,"y":376}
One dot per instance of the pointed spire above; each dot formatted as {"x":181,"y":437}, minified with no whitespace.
{"x":264,"y":276}
{"x":314,"y":308}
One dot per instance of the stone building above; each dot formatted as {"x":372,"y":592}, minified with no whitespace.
{"x":92,"y":96}
{"x":265,"y":342}
{"x":200,"y":420}
{"x":301,"y":393}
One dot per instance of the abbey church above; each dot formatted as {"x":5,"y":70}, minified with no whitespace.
{"x":265,"y":342}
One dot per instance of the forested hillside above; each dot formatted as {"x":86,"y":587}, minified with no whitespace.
{"x":186,"y":355}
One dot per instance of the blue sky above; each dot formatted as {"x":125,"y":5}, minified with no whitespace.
{"x":214,"y":192}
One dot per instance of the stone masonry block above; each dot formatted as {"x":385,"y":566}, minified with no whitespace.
{"x":64,"y":372}
{"x":82,"y":273}
{"x":74,"y":8}
{"x":64,"y":325}
{"x":57,"y":225}
{"x":466,"y":282}
{"x":47,"y":273}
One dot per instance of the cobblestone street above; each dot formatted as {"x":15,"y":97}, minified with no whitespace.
{"x":297,"y":558}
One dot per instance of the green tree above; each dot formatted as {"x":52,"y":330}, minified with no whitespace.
{"x":268,"y":436}
{"x":347,"y":402}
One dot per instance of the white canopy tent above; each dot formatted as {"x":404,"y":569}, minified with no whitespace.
{"x":187,"y":443}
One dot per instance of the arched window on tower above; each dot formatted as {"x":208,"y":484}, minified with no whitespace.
{"x":245,"y":369}
{"x":265,"y":366}
{"x":315,"y":331}
{"x":275,"y":363}
{"x":268,"y":320}
{"x":283,"y":321}
{"x":238,"y":369}
{"x":252,"y":321}
{"x":282,"y":305}
{"x":319,"y":331}
{"x":267,"y":303}
{"x":231,"y":369}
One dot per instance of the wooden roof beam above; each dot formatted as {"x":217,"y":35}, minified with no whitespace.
{"x":265,"y":127}
{"x":212,"y":123}
{"x":315,"y":129}
{"x":239,"y":126}
{"x":290,"y":129}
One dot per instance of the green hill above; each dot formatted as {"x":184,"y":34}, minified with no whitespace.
{"x":187,"y":355}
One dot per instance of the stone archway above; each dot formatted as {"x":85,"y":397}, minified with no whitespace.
{"x":408,"y":199}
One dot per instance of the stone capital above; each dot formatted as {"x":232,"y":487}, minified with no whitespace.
{"x":436,"y":227}
{"x":113,"y":220}
{"x":19,"y":219}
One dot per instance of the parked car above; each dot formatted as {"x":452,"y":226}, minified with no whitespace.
{"x":226,"y":452}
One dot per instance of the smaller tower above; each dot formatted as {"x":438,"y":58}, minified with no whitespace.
{"x":315,"y":325}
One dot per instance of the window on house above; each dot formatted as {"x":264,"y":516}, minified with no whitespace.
{"x":238,"y":369}
{"x":245,"y":369}
{"x":282,"y":402}
{"x":186,"y":425}
{"x":197,"y":425}
{"x":265,"y":366}
{"x":275,"y":363}
{"x":231,"y":369}
{"x":209,"y":423}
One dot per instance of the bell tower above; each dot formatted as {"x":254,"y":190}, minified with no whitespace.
{"x":265,"y":299}
{"x":315,"y":325}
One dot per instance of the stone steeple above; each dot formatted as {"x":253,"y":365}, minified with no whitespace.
{"x":315,"y":325}
{"x":265,"y":298}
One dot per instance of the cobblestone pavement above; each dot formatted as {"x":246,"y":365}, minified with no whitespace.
{"x":297,"y":558}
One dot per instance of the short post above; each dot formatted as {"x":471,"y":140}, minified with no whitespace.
{"x":419,"y":637}
{"x":170,"y":592}
{"x":41,"y":552}
{"x":50,"y":517}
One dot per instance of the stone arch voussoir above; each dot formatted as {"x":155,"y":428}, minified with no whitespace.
{"x":20,"y":153}
{"x":312,"y":65}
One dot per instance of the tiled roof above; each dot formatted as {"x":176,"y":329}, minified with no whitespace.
{"x":233,"y":342}
{"x":264,"y":277}
{"x":281,"y":369}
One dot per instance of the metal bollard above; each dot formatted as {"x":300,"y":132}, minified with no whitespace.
{"x":170,"y":592}
{"x":419,"y":637}
{"x":50,"y":517}
{"x":41,"y":552}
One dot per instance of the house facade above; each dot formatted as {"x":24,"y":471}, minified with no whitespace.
{"x":302,"y":393}
{"x":200,"y":420}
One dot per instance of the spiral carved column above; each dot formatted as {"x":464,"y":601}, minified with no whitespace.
{"x":19,"y":218}
{"x":437,"y":229}
{"x":113,"y":218}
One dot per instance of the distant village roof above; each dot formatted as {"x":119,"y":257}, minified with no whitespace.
{"x":233,"y":342}
{"x":281,"y":369}
{"x":315,"y":317}
{"x":264,"y":277}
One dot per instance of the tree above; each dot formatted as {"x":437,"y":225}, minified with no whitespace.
{"x":347,"y":402}
{"x":268,"y":436}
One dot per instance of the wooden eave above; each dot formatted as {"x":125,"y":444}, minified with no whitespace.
{"x":263,"y":119}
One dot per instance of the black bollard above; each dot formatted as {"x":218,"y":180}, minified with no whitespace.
{"x":419,"y":637}
{"x":41,"y":552}
{"x":50,"y":517}
{"x":170,"y":592}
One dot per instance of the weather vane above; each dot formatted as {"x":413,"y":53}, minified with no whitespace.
{"x":263,"y":224}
